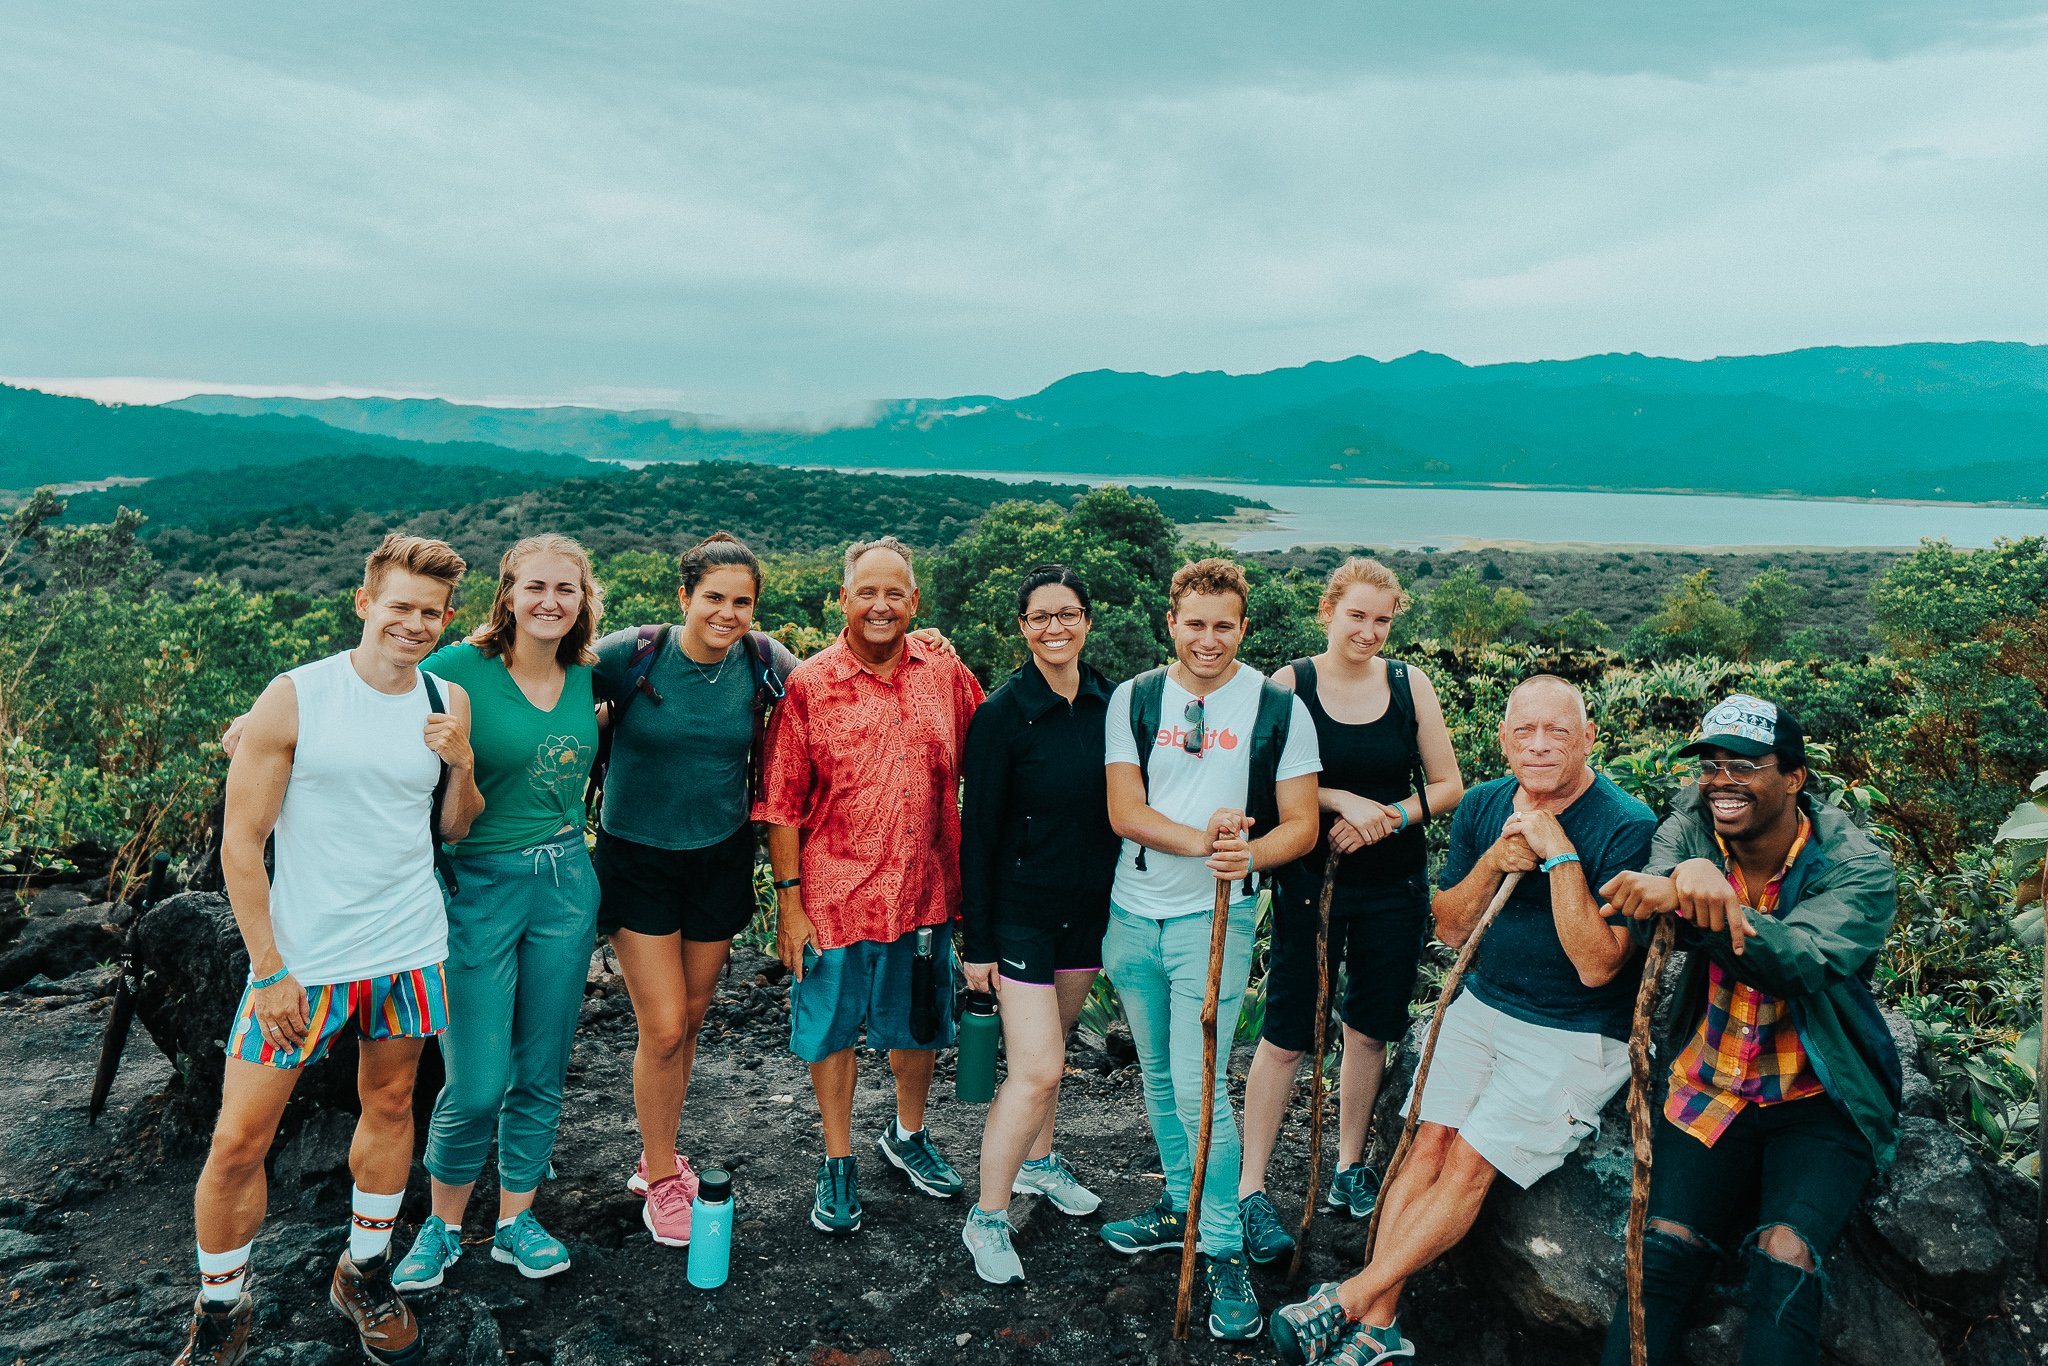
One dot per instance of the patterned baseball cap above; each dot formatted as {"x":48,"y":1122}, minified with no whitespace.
{"x":1742,"y":724}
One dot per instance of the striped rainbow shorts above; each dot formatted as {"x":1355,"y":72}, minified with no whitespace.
{"x":404,"y":1005}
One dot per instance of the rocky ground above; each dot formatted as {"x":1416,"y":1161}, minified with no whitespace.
{"x":96,"y":1255}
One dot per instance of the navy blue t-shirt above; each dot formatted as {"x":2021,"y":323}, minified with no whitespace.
{"x":1522,"y":969}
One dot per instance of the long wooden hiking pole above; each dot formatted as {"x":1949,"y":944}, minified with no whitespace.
{"x":1315,"y":1076}
{"x":1436,"y":1023}
{"x":1639,"y":1128}
{"x":1219,"y":929}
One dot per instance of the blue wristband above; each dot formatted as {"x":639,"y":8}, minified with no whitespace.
{"x":257,"y":984}
{"x":1556,"y":860}
{"x":1404,"y":819}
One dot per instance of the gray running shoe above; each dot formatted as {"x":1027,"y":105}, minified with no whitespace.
{"x":987,"y":1235}
{"x":1233,"y":1307}
{"x":1052,"y":1178}
{"x":917,"y":1159}
{"x":1266,"y":1239}
{"x":1307,"y":1332}
{"x":836,"y":1207}
{"x":1355,"y":1190}
{"x":1162,"y":1226}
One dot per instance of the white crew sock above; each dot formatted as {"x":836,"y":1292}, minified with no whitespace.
{"x":221,"y":1274}
{"x":903,"y":1134}
{"x":370,"y":1221}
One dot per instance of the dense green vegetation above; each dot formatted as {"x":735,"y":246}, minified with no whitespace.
{"x":113,"y":686}
{"x":1964,"y":422}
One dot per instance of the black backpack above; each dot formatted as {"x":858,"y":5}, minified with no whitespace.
{"x":635,"y":681}
{"x":1401,"y":697}
{"x":1269,"y":738}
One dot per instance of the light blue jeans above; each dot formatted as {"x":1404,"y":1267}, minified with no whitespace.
{"x":1161,"y":972}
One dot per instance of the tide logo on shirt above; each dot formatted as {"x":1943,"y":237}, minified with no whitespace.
{"x":1174,"y":737}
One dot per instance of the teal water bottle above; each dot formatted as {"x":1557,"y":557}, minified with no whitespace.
{"x":974,"y":1073}
{"x":711,"y":1229}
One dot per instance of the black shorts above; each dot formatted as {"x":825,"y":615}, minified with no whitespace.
{"x":1036,"y":953}
{"x":1376,"y":938}
{"x":705,"y":894}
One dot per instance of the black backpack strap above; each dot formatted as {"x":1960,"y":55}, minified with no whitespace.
{"x":442,"y":863}
{"x":1148,"y":699}
{"x":1269,"y":739}
{"x":768,"y":691}
{"x":1401,"y":696}
{"x":633,"y":682}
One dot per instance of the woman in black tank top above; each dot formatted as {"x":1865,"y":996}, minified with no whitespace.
{"x":1388,"y":768}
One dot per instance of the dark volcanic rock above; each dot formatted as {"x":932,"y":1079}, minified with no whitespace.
{"x":1934,"y":1212}
{"x":59,"y":944}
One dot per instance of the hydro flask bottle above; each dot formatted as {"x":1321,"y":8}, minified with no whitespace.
{"x":974,"y":1074}
{"x":711,"y":1229}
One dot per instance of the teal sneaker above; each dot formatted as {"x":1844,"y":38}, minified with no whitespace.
{"x":1370,"y":1346}
{"x":1355,"y":1190}
{"x":836,"y":1206}
{"x":1308,"y":1332}
{"x":525,"y":1244}
{"x":1051,"y":1177}
{"x":1266,"y":1239}
{"x":1157,"y":1228}
{"x":987,"y":1235}
{"x":919,"y":1160}
{"x":437,"y":1248}
{"x":1233,"y":1307}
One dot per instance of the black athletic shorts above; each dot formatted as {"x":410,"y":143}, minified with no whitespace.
{"x":707,"y":894}
{"x":1035,"y":953}
{"x":1376,"y":938}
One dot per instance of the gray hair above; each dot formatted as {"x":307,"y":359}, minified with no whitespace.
{"x":860,"y":548}
{"x":1547,"y":681}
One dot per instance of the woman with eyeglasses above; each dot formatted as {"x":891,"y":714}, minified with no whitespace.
{"x":1036,"y":858}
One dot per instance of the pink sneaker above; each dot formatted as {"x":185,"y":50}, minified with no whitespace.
{"x":637,"y":1182}
{"x":667,"y":1211}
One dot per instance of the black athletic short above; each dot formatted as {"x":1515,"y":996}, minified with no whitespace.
{"x":1376,"y":938}
{"x":707,"y":894}
{"x":1035,"y":954}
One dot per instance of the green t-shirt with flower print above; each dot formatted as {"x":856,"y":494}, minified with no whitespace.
{"x":531,"y":765}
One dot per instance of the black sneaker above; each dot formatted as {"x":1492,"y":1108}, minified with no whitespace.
{"x":836,"y":1206}
{"x":1233,"y":1307}
{"x":1266,"y":1239}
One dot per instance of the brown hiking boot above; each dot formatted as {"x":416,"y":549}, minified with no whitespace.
{"x":219,"y":1335}
{"x":362,"y":1291}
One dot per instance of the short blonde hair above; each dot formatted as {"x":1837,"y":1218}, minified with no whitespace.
{"x":495,"y":636}
{"x":1359,"y":570}
{"x":430,"y":559}
{"x":1213,"y":576}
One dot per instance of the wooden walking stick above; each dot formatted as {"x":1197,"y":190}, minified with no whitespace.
{"x":1436,"y":1023}
{"x":1218,"y":930}
{"x":1315,"y":1076}
{"x":1639,"y":1128}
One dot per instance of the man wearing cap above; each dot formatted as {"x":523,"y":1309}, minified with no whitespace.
{"x":1783,"y":1090}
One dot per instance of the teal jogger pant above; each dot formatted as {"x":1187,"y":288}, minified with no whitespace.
{"x":1161,"y":972}
{"x":520,"y":933}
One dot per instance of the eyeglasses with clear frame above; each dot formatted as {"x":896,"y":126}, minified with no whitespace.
{"x":1739,"y":771}
{"x":1069,"y":617}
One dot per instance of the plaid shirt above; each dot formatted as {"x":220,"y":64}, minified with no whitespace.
{"x":1745,"y":1051}
{"x":869,"y":770}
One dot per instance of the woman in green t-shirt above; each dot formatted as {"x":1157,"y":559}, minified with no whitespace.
{"x":522,"y":918}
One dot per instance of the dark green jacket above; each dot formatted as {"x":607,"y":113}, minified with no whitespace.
{"x":1834,"y":910}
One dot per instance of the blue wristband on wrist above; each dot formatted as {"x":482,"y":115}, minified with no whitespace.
{"x":257,"y":984}
{"x":1404,"y":819}
{"x":1556,"y":860}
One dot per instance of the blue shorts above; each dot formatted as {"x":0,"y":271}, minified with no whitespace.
{"x":867,"y":984}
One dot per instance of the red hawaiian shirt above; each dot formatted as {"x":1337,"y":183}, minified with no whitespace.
{"x":869,"y":770}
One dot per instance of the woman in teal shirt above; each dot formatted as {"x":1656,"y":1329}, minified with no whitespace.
{"x":522,"y":921}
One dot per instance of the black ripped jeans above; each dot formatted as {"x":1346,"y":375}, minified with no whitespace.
{"x":1801,"y":1164}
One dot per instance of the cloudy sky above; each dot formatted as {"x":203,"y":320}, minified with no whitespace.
{"x":759,"y":206}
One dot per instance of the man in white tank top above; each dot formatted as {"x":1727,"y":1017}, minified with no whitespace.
{"x":341,"y":760}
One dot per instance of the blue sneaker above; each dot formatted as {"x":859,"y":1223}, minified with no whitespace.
{"x":1151,"y":1230}
{"x":437,"y":1248}
{"x":835,"y":1207}
{"x":1266,"y":1239}
{"x":1233,"y":1307}
{"x":918,"y":1159}
{"x":1355,"y":1190}
{"x":525,"y":1244}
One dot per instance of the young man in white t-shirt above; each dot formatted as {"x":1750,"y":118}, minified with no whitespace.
{"x":1188,"y":812}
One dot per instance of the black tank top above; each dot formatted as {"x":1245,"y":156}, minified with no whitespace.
{"x":1374,"y":760}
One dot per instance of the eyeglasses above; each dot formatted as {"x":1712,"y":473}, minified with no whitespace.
{"x":1196,"y":734}
{"x":1739,"y":771}
{"x":1068,"y":617}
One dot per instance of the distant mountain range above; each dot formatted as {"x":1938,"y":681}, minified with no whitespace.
{"x":1965,"y":422}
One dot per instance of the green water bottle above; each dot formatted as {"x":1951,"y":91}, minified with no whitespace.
{"x":974,"y":1073}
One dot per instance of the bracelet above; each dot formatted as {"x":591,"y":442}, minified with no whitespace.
{"x":1555,"y":860}
{"x":1247,"y":860}
{"x":257,"y":984}
{"x":786,"y":883}
{"x":1404,"y":818}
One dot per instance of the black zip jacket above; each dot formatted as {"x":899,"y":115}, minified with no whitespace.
{"x":1035,"y":842}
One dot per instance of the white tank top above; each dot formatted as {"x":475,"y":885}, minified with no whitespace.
{"x":353,"y":895}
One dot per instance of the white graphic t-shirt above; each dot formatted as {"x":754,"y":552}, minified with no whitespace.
{"x":1190,"y":788}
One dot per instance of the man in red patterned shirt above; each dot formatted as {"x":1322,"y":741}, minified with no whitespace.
{"x":861,"y":801}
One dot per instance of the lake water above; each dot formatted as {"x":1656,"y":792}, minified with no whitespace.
{"x":1409,"y":518}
